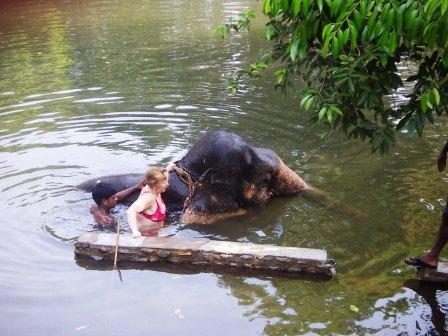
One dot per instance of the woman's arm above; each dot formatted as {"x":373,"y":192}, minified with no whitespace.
{"x":144,"y":202}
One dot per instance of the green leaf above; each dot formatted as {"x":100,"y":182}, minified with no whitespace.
{"x":383,"y":42}
{"x":413,"y":24}
{"x":233,"y":86}
{"x":364,"y":34}
{"x":432,"y":35}
{"x":390,"y":18}
{"x":336,"y":110}
{"x":404,"y":121}
{"x":327,"y":30}
{"x":305,"y":7}
{"x":322,"y":112}
{"x":302,"y":52}
{"x":392,"y":44}
{"x":294,"y":50}
{"x":419,"y":123}
{"x":270,"y":31}
{"x":384,"y":13}
{"x":267,"y":7}
{"x":358,"y":19}
{"x":372,"y":21}
{"x":379,"y":28}
{"x":411,"y":127}
{"x":325,"y":47}
{"x":340,"y":82}
{"x":280,"y":75}
{"x":383,"y":59}
{"x":315,"y":27}
{"x":384,"y":148}
{"x":435,"y":96}
{"x":345,"y":36}
{"x":353,"y":36}
{"x":308,"y":103}
{"x":335,"y":7}
{"x":335,"y":47}
{"x":444,"y":7}
{"x":304,"y":99}
{"x":275,"y":7}
{"x":221,"y":31}
{"x":399,"y":25}
{"x":431,"y":9}
{"x":368,"y":125}
{"x":445,"y":60}
{"x":330,"y":116}
{"x":295,"y":7}
{"x":363,"y":8}
{"x":351,"y":86}
{"x":320,"y":5}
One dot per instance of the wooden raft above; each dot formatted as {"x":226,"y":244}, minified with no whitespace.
{"x":202,"y":251}
{"x":435,"y":275}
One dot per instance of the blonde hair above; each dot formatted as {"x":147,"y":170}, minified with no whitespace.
{"x":155,"y":175}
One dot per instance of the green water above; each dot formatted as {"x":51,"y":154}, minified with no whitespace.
{"x":92,"y":88}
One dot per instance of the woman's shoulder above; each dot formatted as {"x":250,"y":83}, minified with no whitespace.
{"x":146,"y":193}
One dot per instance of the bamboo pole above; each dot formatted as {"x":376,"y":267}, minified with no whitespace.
{"x":116,"y":245}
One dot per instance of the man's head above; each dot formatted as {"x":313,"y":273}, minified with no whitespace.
{"x":104,"y":195}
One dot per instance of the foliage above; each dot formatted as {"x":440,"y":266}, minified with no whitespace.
{"x":242,"y":24}
{"x":347,"y":52}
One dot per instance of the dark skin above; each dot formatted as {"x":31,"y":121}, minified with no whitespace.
{"x":101,"y":213}
{"x":432,"y":256}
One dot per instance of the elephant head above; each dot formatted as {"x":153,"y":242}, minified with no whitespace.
{"x":267,"y":176}
{"x":249,"y":177}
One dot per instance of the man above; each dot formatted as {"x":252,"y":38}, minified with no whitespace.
{"x":431,"y":258}
{"x":106,"y":197}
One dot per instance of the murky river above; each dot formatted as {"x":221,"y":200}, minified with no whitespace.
{"x":92,"y":88}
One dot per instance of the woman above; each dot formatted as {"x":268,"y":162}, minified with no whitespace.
{"x":147,"y":213}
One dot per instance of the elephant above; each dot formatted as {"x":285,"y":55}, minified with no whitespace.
{"x":229,"y":174}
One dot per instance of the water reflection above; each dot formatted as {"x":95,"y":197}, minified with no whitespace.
{"x":435,"y":295}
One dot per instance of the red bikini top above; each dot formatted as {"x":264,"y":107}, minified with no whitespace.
{"x":158,"y":215}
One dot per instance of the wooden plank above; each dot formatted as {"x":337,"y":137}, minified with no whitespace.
{"x":435,"y":275}
{"x":202,"y":251}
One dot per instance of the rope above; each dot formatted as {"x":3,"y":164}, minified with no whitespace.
{"x":184,"y":176}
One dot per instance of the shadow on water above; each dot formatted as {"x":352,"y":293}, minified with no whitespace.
{"x":428,"y":291}
{"x":107,"y":265}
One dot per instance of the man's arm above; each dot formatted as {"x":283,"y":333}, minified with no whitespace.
{"x":441,"y":159}
{"x":128,"y":192}
{"x":101,"y":218}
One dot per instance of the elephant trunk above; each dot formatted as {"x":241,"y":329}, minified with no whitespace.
{"x":289,"y":183}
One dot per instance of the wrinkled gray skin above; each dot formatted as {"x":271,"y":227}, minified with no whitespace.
{"x":230,"y":174}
